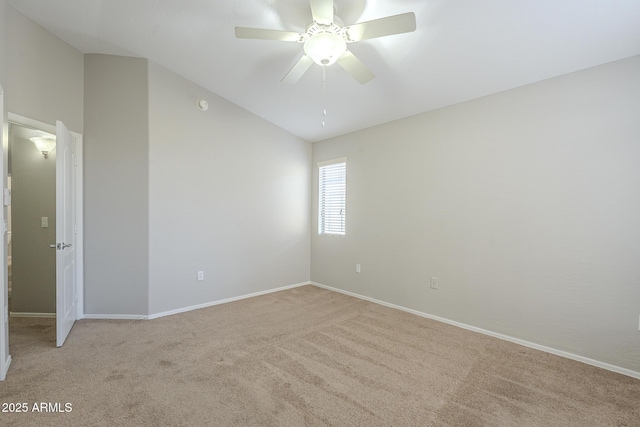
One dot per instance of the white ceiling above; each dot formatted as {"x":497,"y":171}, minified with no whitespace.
{"x":462,"y":49}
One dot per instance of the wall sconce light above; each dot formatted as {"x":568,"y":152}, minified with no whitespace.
{"x":44,"y":144}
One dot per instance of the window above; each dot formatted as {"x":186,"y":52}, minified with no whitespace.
{"x":333,"y":196}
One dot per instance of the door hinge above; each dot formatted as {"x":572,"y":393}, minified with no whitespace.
{"x":6,"y":197}
{"x":75,"y":229}
{"x":75,"y":160}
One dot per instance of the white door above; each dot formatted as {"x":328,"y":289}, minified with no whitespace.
{"x":66,"y":313}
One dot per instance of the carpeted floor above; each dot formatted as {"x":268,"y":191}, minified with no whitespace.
{"x":306,"y":356}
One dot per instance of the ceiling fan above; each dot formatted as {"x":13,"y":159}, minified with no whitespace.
{"x":326,"y":38}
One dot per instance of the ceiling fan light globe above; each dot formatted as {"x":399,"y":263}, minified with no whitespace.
{"x":325,"y":48}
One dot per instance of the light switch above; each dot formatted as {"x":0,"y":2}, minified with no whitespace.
{"x":44,"y":222}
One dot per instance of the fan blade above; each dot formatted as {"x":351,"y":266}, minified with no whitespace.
{"x":264,"y":34}
{"x":322,"y":11}
{"x":397,"y":24}
{"x":297,"y":70}
{"x":355,"y":67}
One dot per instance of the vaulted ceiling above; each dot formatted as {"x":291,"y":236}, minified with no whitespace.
{"x":461,"y":49}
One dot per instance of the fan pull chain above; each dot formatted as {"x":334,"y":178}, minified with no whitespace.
{"x":324,"y":97}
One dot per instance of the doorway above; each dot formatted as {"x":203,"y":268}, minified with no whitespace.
{"x":31,"y":236}
{"x":31,"y":221}
{"x":67,"y":221}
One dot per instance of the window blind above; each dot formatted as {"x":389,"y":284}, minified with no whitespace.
{"x":332,"y":193}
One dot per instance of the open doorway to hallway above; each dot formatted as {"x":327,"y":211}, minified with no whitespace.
{"x":67,"y":245}
{"x":31,"y":221}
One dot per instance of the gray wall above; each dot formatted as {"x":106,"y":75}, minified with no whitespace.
{"x":228,"y":195}
{"x":44,"y":74}
{"x":524,"y":204}
{"x":116,"y":187}
{"x":33,"y":183}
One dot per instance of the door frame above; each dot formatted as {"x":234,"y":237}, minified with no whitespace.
{"x":5,"y":357}
{"x":51,"y":128}
{"x":28,"y":122}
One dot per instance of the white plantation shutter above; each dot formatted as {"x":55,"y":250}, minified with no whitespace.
{"x":333,"y":196}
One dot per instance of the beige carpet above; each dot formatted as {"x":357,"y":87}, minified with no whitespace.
{"x":305,"y":356}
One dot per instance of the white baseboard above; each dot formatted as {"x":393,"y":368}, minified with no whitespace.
{"x":115,"y":316}
{"x":224,"y":301}
{"x":41,"y":315}
{"x":588,"y":361}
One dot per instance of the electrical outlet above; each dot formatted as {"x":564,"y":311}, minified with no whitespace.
{"x":434,"y":283}
{"x":357,"y":268}
{"x":200,"y":275}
